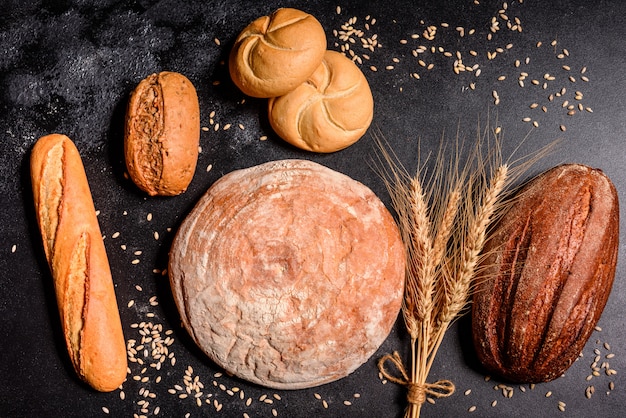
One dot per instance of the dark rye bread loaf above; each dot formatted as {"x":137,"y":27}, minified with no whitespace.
{"x":548,"y":273}
{"x":288,"y":274}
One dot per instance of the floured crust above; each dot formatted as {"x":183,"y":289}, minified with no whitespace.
{"x":329,"y":112}
{"x":288,"y":274}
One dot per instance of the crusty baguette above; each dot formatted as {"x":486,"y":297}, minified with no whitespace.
{"x":80,"y":269}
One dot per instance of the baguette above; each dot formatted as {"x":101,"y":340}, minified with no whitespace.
{"x":78,"y":262}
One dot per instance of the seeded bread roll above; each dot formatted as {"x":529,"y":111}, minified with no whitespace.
{"x":162,"y":134}
{"x":329,"y":112}
{"x":288,"y":274}
{"x":75,"y":251}
{"x":276,"y":53}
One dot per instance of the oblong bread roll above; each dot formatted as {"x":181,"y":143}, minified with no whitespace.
{"x":288,"y":274}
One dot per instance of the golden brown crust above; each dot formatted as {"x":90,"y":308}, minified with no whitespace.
{"x":288,"y":274}
{"x":162,"y":134}
{"x":329,"y":112}
{"x":548,"y":273}
{"x":78,"y":262}
{"x":274,"y":54}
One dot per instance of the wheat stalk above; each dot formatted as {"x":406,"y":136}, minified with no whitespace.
{"x":444,"y":221}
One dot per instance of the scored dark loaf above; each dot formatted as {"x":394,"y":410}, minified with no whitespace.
{"x":547,"y":275}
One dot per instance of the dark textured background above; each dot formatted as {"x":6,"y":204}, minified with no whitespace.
{"x":68,"y":66}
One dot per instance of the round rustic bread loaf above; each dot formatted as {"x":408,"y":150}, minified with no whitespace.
{"x":288,"y":274}
{"x":327,"y":113}
{"x":276,"y":53}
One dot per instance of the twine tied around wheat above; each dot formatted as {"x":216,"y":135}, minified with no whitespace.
{"x":417,"y":392}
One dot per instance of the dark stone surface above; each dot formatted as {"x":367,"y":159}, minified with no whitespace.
{"x":68,"y":66}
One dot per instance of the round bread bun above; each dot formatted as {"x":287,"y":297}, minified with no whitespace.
{"x":276,"y":53}
{"x":288,"y":274}
{"x":329,"y":112}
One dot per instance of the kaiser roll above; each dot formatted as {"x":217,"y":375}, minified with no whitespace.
{"x":274,"y":54}
{"x":327,"y":113}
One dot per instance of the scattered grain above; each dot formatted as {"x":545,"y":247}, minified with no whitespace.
{"x":472,"y":408}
